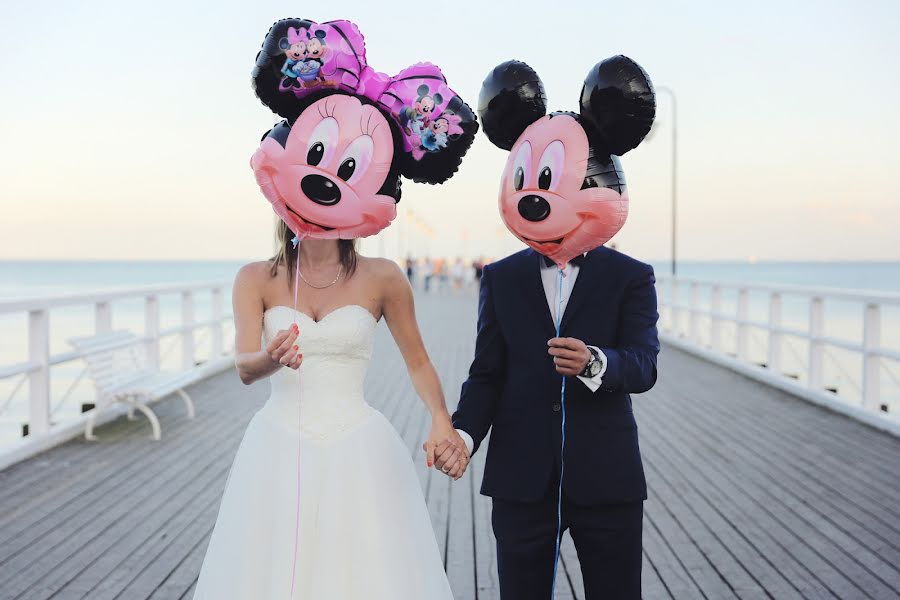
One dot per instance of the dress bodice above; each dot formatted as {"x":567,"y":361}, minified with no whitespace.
{"x":328,"y":387}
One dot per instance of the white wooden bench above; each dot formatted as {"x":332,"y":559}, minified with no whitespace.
{"x":117,"y":363}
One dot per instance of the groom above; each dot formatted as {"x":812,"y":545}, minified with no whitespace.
{"x":607,"y":350}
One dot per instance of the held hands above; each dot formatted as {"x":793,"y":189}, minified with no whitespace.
{"x":283,"y":349}
{"x":570,"y":355}
{"x":445,"y":449}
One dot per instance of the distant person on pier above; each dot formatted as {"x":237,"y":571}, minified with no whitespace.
{"x":410,"y":268}
{"x":427,"y":273}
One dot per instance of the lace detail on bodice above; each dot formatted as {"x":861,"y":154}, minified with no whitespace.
{"x":328,"y":387}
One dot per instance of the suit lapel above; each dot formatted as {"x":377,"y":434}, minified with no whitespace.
{"x":588,"y":280}
{"x":533,"y":291}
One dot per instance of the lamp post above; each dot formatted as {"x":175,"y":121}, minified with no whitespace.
{"x":669,"y":92}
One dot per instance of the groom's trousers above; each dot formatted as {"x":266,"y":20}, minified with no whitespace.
{"x":607,"y":538}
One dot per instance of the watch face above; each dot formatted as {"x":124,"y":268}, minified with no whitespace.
{"x":595,"y":368}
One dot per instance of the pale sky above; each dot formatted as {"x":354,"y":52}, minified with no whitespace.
{"x":126,"y":127}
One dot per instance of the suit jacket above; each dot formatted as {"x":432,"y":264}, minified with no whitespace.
{"x":513,"y":388}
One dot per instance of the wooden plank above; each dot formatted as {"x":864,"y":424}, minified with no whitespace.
{"x":678,"y":581}
{"x":134,"y":464}
{"x":746,"y":569}
{"x":122,"y":488}
{"x":747,"y":508}
{"x":870,"y":571}
{"x":652,"y":586}
{"x":51,"y":560}
{"x":181,"y":582}
{"x":829,"y":469}
{"x":794,"y":420}
{"x":867,"y":525}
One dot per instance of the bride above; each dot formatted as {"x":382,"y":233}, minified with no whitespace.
{"x":322,"y":501}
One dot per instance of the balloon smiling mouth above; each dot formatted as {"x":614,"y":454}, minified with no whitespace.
{"x":307,"y":221}
{"x":556,"y":241}
{"x":546,"y":247}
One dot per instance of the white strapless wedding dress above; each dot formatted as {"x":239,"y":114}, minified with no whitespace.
{"x":364,"y":531}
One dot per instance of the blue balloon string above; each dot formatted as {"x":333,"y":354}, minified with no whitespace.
{"x":562,"y":458}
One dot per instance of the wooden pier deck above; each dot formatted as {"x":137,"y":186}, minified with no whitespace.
{"x":753,"y":494}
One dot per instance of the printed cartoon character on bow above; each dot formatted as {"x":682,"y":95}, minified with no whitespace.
{"x":305,"y":56}
{"x":428,"y":126}
{"x":294,"y":47}
{"x":416,"y":117}
{"x":332,"y":169}
{"x":563,"y":190}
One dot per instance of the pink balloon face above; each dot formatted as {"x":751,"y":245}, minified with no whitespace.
{"x":541,"y":197}
{"x":324,"y":181}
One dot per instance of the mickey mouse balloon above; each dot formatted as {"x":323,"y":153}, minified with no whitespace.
{"x":563,"y":190}
{"x":332,"y":169}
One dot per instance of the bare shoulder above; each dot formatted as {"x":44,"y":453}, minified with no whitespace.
{"x":253,"y":274}
{"x":382,"y":270}
{"x":385,"y":278}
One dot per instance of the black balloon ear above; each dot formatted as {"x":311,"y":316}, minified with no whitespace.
{"x":438,"y":98}
{"x":391,"y":186}
{"x":618,"y":104}
{"x":455,"y":104}
{"x":512,"y":98}
{"x":320,"y":34}
{"x":422,"y":90}
{"x":284,"y":44}
{"x":279,"y":133}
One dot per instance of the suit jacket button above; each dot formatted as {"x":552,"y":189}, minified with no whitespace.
{"x":557,"y":407}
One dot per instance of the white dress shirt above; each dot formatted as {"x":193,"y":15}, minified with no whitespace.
{"x":550,"y":279}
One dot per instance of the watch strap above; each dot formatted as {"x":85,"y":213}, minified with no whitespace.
{"x":595,"y":358}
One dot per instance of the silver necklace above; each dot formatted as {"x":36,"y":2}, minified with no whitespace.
{"x":320,"y":287}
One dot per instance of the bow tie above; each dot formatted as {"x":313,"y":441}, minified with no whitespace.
{"x":577,"y":261}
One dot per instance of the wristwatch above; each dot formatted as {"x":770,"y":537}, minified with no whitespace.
{"x":592,"y":369}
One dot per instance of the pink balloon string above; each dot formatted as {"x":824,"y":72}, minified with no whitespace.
{"x":297,"y":517}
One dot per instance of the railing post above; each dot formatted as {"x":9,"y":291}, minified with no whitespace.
{"x":816,"y":348}
{"x":715,"y":308}
{"x":151,"y":329}
{"x":39,"y":379}
{"x":742,"y":327}
{"x":871,"y":381}
{"x":673,"y":308}
{"x":773,"y":362}
{"x":102,"y":317}
{"x":102,"y":324}
{"x":694,"y":323}
{"x":187,"y":333}
{"x":216,"y":338}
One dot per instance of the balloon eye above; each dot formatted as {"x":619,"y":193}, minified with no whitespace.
{"x":345,"y":171}
{"x":315,"y":154}
{"x":519,"y":178}
{"x":545,"y":178}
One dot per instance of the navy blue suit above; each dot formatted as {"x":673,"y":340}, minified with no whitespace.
{"x":513,"y":390}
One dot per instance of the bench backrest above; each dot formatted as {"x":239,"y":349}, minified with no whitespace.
{"x":112,"y":358}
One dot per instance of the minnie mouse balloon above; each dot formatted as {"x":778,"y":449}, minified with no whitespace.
{"x":563,"y":190}
{"x":332,"y":168}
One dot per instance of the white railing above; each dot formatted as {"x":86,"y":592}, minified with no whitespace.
{"x":844,"y":371}
{"x":41,"y":427}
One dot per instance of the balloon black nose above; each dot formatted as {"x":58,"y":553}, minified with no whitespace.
{"x":320,"y":190}
{"x":534,"y":208}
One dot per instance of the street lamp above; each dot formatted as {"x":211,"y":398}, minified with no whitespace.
{"x":668,"y":91}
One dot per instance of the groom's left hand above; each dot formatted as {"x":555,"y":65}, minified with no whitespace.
{"x":570,"y":355}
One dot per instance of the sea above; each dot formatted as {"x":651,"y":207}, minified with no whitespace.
{"x":71,"y":390}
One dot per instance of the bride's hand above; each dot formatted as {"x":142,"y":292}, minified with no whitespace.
{"x":445,"y":449}
{"x":283,"y":350}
